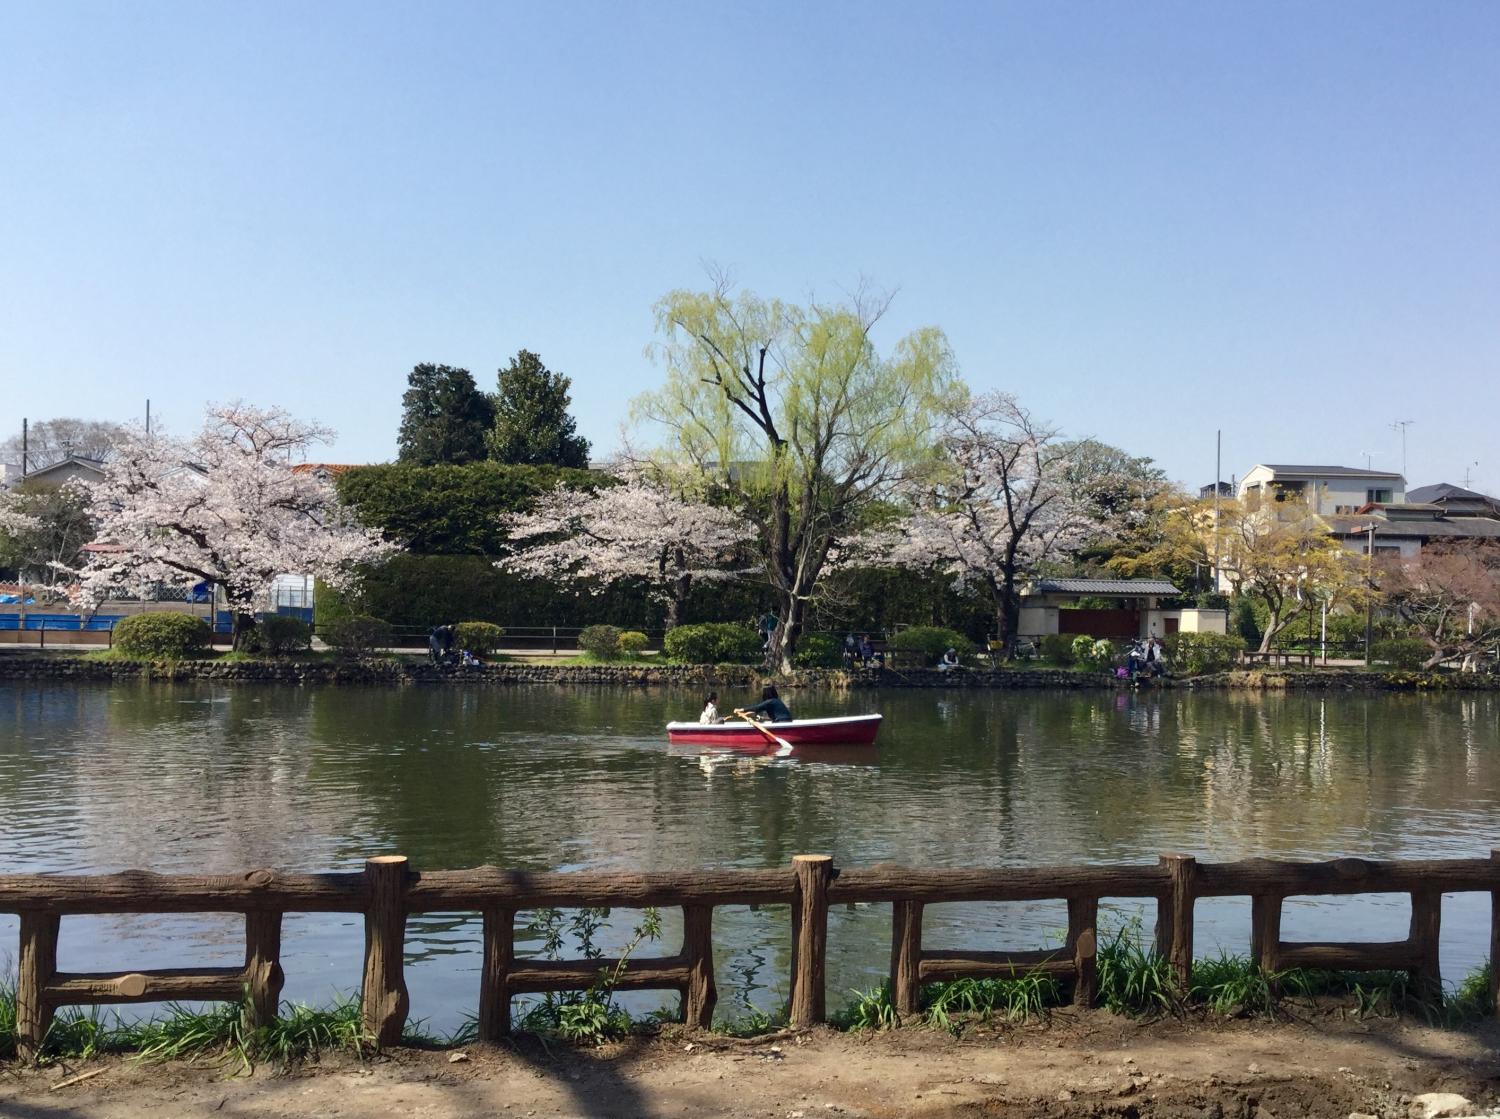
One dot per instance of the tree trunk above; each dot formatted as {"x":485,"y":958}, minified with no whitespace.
{"x":1007,"y":612}
{"x":243,"y":632}
{"x":791,"y":614}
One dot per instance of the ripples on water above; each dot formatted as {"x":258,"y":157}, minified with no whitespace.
{"x":195,"y":777}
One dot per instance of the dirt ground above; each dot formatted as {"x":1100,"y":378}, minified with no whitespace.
{"x":1072,"y":1066}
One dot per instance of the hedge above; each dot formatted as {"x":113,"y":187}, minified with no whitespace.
{"x":1401,"y":652}
{"x":1093,"y":653}
{"x":279,"y":635}
{"x":633,"y":642}
{"x":713,"y":643}
{"x":600,"y":641}
{"x":479,"y":638}
{"x":930,"y":643}
{"x":1193,"y":654}
{"x":358,"y":635}
{"x":1057,"y":648}
{"x":818,"y":650}
{"x":164,"y":635}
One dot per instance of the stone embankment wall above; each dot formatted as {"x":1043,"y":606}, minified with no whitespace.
{"x":32,"y":666}
{"x":63,"y":667}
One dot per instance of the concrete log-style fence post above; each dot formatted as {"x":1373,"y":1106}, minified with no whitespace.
{"x":906,"y":956}
{"x":810,"y":939}
{"x":1174,"y":927}
{"x":1495,"y":940}
{"x":1426,"y":929}
{"x":263,"y":975}
{"x":385,"y":999}
{"x":1083,"y":940}
{"x":494,"y":982}
{"x":701,"y":995}
{"x":36,"y":967}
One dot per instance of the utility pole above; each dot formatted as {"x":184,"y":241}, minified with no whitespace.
{"x":25,"y":446}
{"x":1218,"y":473}
{"x":148,"y":415}
{"x":1369,"y":593}
{"x":1401,"y":426}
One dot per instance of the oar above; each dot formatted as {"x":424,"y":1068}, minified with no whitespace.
{"x":784,"y":747}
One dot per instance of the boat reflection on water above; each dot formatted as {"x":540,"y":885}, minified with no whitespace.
{"x":751,"y":755}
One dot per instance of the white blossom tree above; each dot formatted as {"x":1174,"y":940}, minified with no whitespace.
{"x":996,"y":505}
{"x":224,"y":507}
{"x":640,"y":529}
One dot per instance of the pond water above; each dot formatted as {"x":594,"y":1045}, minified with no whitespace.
{"x":207,"y":778}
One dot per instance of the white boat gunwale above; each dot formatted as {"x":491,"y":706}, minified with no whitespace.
{"x":732,"y":723}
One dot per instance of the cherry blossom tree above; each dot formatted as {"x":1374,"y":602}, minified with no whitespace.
{"x":641,"y":529}
{"x":42,"y":529}
{"x":996,"y":505}
{"x":1449,"y":595}
{"x":224,"y":507}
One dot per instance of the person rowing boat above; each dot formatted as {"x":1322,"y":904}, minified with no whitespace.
{"x":770,"y":705}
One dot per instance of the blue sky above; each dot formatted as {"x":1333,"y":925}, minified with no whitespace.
{"x":1148,"y":220}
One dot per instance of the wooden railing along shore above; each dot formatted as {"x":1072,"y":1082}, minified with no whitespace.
{"x":388,"y":891}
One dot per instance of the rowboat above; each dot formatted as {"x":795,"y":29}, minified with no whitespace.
{"x":849,"y":730}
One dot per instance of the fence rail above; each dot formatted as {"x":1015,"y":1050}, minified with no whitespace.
{"x":389,"y":890}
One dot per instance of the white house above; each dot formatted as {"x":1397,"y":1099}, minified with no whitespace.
{"x":1327,"y":490}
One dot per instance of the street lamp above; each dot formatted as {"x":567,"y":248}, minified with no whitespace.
{"x":1369,"y":588}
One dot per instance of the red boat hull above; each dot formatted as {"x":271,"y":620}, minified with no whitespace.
{"x":857,"y":731}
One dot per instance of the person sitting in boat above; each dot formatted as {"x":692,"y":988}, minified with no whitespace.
{"x":710,"y":709}
{"x":770,"y":704}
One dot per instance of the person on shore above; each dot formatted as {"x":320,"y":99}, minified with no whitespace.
{"x":710,"y":709}
{"x":767,"y":628}
{"x":770,"y":704}
{"x":866,"y":651}
{"x":949,"y":660}
{"x":851,"y":650}
{"x":1133,"y":659}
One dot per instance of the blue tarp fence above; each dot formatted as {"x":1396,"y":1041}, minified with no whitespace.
{"x":223,"y":622}
{"x":60,"y":621}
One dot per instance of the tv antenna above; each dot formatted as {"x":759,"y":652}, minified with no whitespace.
{"x":1401,"y":426}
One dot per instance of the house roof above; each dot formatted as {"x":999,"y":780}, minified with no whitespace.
{"x":92,"y":465}
{"x":1104,"y":586}
{"x":1444,"y":491}
{"x":332,"y":468}
{"x":1327,"y":471}
{"x":1448,"y":528}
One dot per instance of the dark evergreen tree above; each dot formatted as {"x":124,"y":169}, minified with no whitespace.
{"x":532,"y":424}
{"x":444,"y":417}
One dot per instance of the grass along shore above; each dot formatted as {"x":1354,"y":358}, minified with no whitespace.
{"x":1133,"y":981}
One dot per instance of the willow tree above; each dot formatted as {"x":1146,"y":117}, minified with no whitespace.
{"x":795,"y":413}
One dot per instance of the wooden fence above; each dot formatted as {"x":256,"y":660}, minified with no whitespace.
{"x":388,"y":891}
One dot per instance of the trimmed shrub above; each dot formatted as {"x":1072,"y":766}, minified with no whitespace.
{"x":818,"y":650}
{"x":1058,"y":648}
{"x":600,"y":641}
{"x":278,"y":635}
{"x":1400,"y":652}
{"x":480,"y":638}
{"x":358,"y":635}
{"x":1193,"y":654}
{"x":713,"y":643}
{"x":930,"y":642}
{"x":164,"y":635}
{"x":633,"y":642}
{"x":1094,"y":654}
